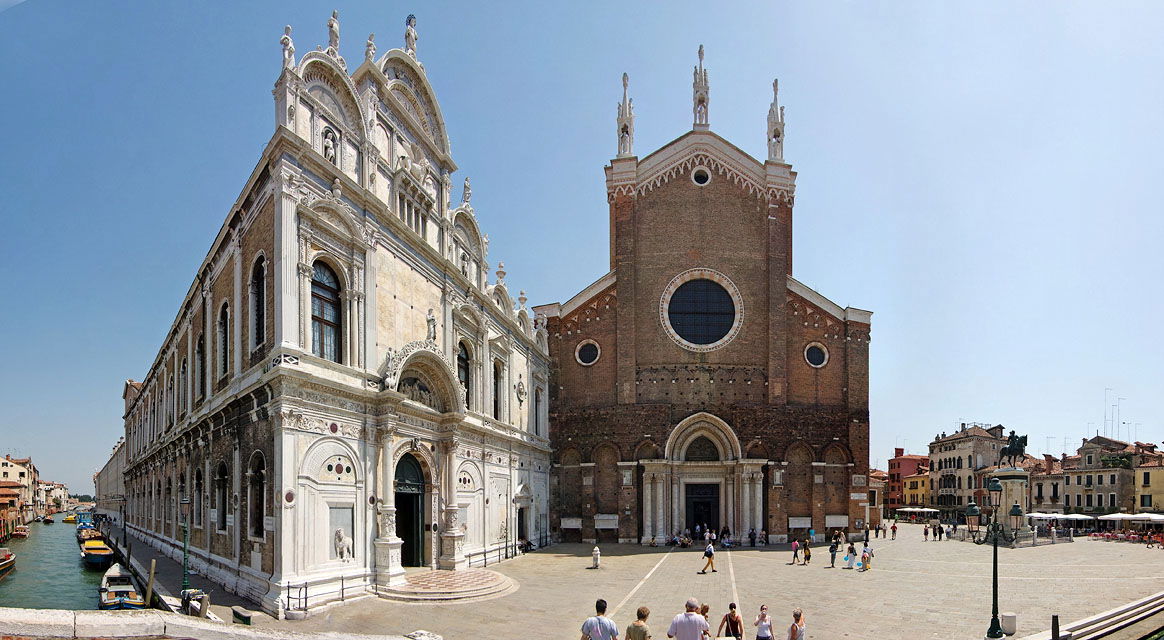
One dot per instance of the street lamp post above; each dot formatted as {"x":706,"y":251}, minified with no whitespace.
{"x":185,"y":543}
{"x":994,"y":532}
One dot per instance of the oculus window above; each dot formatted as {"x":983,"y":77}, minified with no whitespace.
{"x":816,"y":355}
{"x":701,"y":312}
{"x":587,"y":353}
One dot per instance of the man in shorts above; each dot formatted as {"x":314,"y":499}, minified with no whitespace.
{"x":599,"y":627}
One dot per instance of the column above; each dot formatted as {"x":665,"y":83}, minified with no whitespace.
{"x":745,"y":506}
{"x":285,"y":260}
{"x":660,"y":506}
{"x":675,"y":521}
{"x":730,"y":510}
{"x":389,"y":570}
{"x":452,"y":538}
{"x":648,"y":519}
{"x":758,"y":515}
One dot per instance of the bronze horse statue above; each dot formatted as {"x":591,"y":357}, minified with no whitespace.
{"x":1014,"y":449}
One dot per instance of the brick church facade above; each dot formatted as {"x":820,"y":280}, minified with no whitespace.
{"x":698,"y":381}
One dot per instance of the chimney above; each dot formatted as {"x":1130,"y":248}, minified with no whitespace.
{"x":898,"y":452}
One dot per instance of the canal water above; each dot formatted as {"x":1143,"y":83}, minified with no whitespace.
{"x":49,"y":573}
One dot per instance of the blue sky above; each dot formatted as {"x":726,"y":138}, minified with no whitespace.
{"x":983,"y":177}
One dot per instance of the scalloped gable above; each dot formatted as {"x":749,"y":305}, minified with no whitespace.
{"x":700,"y":147}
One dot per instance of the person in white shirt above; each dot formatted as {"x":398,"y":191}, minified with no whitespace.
{"x":709,"y":553}
{"x":689,"y":625}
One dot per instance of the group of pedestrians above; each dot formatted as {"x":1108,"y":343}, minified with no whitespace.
{"x":692,"y":624}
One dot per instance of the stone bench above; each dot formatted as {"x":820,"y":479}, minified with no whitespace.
{"x":240,"y":615}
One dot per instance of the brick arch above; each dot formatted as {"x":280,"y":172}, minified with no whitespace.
{"x":798,"y":480}
{"x":647,"y":450}
{"x":757,"y":450}
{"x":570,"y":483}
{"x":606,"y":477}
{"x":836,"y":479}
{"x":704,"y":424}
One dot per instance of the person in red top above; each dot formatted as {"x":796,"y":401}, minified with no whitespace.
{"x":893,"y":529}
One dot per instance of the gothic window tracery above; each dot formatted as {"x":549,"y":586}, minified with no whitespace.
{"x":258,"y":303}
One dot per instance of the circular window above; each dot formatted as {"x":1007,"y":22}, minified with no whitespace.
{"x":701,"y":176}
{"x":700,"y":310}
{"x":587,"y":352}
{"x":816,"y":355}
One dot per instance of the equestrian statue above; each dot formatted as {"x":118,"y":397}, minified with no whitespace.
{"x":1015,"y":449}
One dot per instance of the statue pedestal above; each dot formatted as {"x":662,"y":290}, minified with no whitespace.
{"x":1015,"y":484}
{"x":389,"y":570}
{"x":453,"y":551}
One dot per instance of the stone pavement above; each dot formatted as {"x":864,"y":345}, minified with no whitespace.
{"x":917,"y":589}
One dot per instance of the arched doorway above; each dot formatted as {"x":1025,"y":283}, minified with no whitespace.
{"x":410,"y":510}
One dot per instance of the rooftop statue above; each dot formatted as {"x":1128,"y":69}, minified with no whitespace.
{"x":370,"y":47}
{"x":333,"y":32}
{"x":410,"y":36}
{"x":288,"y":48}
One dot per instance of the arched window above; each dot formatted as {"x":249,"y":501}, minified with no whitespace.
{"x":538,"y":411}
{"x":325,"y":313}
{"x":183,"y":380}
{"x":170,"y":401}
{"x":223,"y":340}
{"x":463,"y":372}
{"x":200,"y":367}
{"x":220,"y":483}
{"x":258,"y":303}
{"x":257,"y":482}
{"x":196,"y":505}
{"x":498,"y":390}
{"x":701,"y":449}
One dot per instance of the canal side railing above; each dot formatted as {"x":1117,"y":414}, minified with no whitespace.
{"x":302,"y":595}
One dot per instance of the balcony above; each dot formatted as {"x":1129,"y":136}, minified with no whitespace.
{"x":947,"y":492}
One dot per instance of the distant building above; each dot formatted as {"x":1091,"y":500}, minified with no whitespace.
{"x":1101,"y":477}
{"x":900,"y":466}
{"x":875,"y":511}
{"x":1047,"y":485}
{"x":23,"y":471}
{"x":109,"y":484}
{"x":916,"y":491}
{"x":955,"y":458}
{"x":1149,"y":477}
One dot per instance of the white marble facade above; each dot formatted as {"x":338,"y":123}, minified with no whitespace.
{"x":431,"y":366}
{"x":372,"y":197}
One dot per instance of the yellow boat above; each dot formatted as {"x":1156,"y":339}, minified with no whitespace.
{"x":96,"y":553}
{"x":72,"y":517}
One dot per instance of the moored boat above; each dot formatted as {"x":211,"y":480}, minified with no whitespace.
{"x":7,"y":561}
{"x":48,"y":520}
{"x":20,"y":531}
{"x":96,"y":553}
{"x":71,"y":518}
{"x":87,"y":532}
{"x":117,"y":590}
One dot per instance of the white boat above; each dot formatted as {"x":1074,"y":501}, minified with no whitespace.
{"x":117,"y":590}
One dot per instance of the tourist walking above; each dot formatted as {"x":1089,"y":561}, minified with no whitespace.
{"x":938,"y":530}
{"x":638,"y":630}
{"x":763,"y":624}
{"x":709,"y":553}
{"x":689,"y":625}
{"x":926,"y":532}
{"x":893,"y":530}
{"x":807,"y":551}
{"x":796,"y":631}
{"x":833,"y":554}
{"x":851,"y":554}
{"x":877,"y":531}
{"x":867,"y":557}
{"x":795,"y":550}
{"x":752,"y":536}
{"x":599,"y":627}
{"x":734,"y":623}
{"x":866,"y":533}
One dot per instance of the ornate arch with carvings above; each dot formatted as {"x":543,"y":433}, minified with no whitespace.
{"x":425,"y":357}
{"x":703,"y":424}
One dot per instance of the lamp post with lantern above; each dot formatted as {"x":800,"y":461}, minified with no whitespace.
{"x":994,"y":532}
{"x":185,"y":543}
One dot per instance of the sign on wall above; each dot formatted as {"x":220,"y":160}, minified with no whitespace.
{"x":606,"y":521}
{"x":795,"y":522}
{"x":839,"y":522}
{"x":571,"y":523}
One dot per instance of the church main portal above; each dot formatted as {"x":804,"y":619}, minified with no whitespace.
{"x":703,"y":506}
